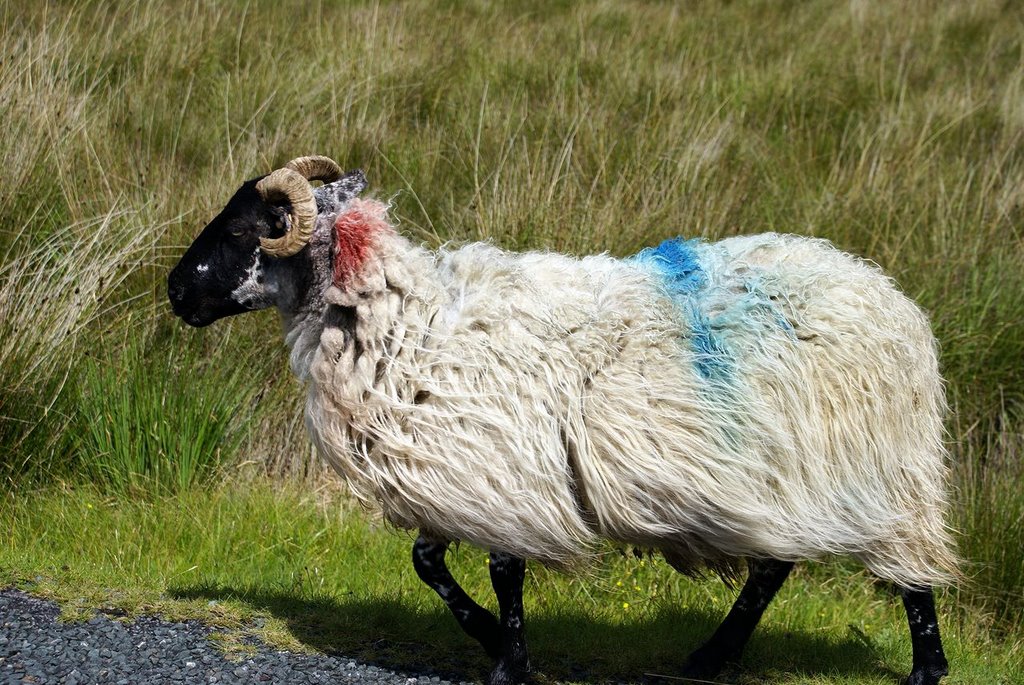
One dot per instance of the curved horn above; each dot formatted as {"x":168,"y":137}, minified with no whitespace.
{"x":289,"y":184}
{"x":316,"y":168}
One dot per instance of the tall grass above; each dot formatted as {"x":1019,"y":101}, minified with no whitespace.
{"x":59,"y":288}
{"x":991,"y":517}
{"x":143,"y":422}
{"x":896,"y":130}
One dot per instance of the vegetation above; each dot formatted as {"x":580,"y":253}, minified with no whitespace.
{"x":896,"y":131}
{"x":306,"y":572}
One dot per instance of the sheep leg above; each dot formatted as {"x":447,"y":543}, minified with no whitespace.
{"x":929,"y":660}
{"x":428,"y":560}
{"x":507,"y":574}
{"x":764,"y":578}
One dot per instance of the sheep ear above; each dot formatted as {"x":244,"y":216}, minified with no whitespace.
{"x":341,"y":191}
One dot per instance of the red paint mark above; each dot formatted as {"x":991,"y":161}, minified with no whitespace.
{"x":354,"y":234}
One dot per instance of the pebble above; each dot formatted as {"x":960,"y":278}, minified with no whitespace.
{"x":36,"y":648}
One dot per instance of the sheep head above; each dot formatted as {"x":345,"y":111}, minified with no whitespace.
{"x":262,"y":231}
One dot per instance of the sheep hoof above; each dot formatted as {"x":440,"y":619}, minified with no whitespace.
{"x":703,"y":664}
{"x":511,"y":670}
{"x":503,"y":674}
{"x":700,"y":671}
{"x":926,"y":675}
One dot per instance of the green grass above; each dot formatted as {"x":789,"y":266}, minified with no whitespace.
{"x":166,"y":432}
{"x":894,"y":129}
{"x":304,"y":571}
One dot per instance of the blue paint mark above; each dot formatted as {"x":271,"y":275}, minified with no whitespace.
{"x":677,"y":262}
{"x":710,"y":360}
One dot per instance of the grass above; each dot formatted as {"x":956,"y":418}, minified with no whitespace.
{"x":122,"y":432}
{"x":895,"y":130}
{"x":306,"y":572}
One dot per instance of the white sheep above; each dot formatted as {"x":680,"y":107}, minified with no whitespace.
{"x":766,"y":398}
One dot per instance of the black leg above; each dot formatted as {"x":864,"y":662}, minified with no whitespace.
{"x":764,"y":578}
{"x":507,"y":574}
{"x":480,"y":624}
{"x":929,"y":661}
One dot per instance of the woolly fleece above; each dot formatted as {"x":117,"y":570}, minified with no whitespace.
{"x":765,"y":396}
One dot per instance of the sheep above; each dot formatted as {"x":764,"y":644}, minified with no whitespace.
{"x":765,"y":398}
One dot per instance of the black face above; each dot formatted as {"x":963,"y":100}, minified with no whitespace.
{"x":221,"y":273}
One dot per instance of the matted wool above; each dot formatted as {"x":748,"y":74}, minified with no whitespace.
{"x":765,"y":396}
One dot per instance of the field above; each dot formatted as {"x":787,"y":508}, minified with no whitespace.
{"x":151,"y":467}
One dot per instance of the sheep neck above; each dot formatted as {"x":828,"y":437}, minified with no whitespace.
{"x":299,"y":285}
{"x":399,"y":278}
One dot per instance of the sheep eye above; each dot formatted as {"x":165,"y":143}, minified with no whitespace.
{"x":237,"y":231}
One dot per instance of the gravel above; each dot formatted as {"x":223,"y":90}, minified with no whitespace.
{"x":36,"y":648}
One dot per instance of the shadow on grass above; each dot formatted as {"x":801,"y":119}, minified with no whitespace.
{"x":564,"y":647}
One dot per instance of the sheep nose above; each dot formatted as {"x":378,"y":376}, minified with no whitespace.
{"x":175,"y":290}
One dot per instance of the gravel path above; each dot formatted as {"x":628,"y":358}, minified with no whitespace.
{"x":36,"y":648}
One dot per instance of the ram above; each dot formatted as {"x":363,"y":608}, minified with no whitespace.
{"x":762,"y":399}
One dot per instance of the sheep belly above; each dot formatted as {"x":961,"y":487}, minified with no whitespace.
{"x":765,"y":396}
